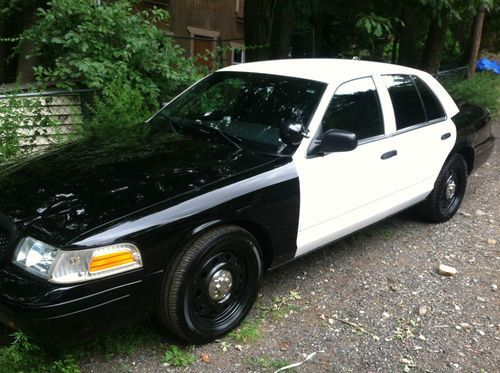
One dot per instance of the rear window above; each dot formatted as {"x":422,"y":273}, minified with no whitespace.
{"x":433,"y":107}
{"x":405,"y":100}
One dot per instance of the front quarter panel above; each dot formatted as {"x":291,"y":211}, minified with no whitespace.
{"x":267,"y":200}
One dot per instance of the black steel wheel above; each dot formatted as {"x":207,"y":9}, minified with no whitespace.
{"x":449,"y":190}
{"x":211,"y":285}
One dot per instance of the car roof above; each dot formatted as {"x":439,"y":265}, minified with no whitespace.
{"x":323,"y":70}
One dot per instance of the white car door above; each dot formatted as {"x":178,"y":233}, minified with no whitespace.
{"x":423,"y":136}
{"x":344,"y":191}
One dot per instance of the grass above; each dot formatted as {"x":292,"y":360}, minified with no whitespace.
{"x":378,"y":230}
{"x":22,"y":355}
{"x":266,"y":362}
{"x":248,"y":332}
{"x":281,"y":307}
{"x":406,"y":329}
{"x":483,"y":89}
{"x":178,"y":357}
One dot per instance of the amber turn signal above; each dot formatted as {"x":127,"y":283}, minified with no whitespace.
{"x":108,"y":261}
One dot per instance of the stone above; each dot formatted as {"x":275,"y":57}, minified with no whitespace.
{"x":423,"y":310}
{"x":446,"y":270}
{"x":481,"y":299}
{"x":465,"y":325}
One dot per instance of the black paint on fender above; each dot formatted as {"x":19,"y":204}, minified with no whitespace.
{"x":86,"y":195}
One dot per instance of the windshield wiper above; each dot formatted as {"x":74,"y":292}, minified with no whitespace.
{"x":234,"y":140}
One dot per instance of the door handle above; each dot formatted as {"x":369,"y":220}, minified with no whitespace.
{"x":390,"y":154}
{"x":447,"y":135}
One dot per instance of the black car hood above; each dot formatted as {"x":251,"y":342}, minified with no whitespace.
{"x":83,"y":185}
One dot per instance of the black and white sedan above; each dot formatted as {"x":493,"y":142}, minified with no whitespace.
{"x":253,"y":166}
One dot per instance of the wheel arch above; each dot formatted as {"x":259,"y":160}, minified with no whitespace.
{"x":260,"y":233}
{"x":468,"y":153}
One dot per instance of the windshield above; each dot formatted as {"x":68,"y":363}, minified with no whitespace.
{"x":246,"y":109}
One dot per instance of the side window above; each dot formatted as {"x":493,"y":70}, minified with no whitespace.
{"x":433,"y":107}
{"x":355,"y":108}
{"x":405,"y":100}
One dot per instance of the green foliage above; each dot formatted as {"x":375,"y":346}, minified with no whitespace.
{"x":374,"y":25}
{"x":248,"y":332}
{"x":482,"y":89}
{"x":267,"y":362}
{"x":81,"y":43}
{"x":24,"y":357}
{"x":118,"y":111}
{"x":179,"y":358}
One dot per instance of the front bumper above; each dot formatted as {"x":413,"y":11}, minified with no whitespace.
{"x":57,"y":315}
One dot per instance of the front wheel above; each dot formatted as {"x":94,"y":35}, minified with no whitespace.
{"x":211,"y":285}
{"x":448,"y":192}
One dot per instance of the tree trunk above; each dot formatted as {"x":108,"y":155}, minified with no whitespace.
{"x":409,"y":34}
{"x":476,"y":39}
{"x":281,"y":29}
{"x":256,"y":31}
{"x":3,"y":54}
{"x":25,"y":65}
{"x":435,"y":43}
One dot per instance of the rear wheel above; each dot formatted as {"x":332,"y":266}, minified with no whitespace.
{"x":212,"y":285}
{"x":449,"y":190}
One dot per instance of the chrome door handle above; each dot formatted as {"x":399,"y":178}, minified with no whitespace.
{"x":390,"y":154}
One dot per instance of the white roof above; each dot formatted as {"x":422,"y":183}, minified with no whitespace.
{"x":323,"y":70}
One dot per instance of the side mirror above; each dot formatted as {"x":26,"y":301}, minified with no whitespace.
{"x":292,"y":133}
{"x":335,"y":140}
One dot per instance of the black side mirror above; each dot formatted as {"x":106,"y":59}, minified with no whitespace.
{"x":335,"y":140}
{"x":292,"y":133}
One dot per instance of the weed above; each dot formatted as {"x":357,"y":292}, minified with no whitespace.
{"x":377,"y":230}
{"x":179,"y":358}
{"x":124,"y":341}
{"x":24,"y":356}
{"x":406,"y":328}
{"x":249,"y":331}
{"x":266,"y":362}
{"x":281,"y":307}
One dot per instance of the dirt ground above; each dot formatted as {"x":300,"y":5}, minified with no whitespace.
{"x":373,"y":302}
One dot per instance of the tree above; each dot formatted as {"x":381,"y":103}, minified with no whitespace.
{"x":434,"y":43}
{"x":82,"y":44}
{"x":268,"y":28}
{"x":476,"y":38}
{"x":25,"y":65}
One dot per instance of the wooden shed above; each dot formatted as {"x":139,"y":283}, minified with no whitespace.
{"x":199,"y":26}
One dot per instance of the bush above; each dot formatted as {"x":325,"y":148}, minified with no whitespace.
{"x":117,"y":111}
{"x":482,"y":89}
{"x":81,"y":43}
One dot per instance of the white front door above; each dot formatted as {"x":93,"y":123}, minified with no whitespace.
{"x":341,"y":191}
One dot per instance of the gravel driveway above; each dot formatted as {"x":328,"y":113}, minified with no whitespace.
{"x":373,"y":302}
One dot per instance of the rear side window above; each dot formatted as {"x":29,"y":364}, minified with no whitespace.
{"x":433,"y":107}
{"x":405,"y":100}
{"x":355,"y":108}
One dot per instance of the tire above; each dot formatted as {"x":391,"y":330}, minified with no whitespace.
{"x":191,"y":305}
{"x":449,"y":190}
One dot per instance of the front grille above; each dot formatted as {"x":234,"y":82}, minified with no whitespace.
{"x":4,"y":243}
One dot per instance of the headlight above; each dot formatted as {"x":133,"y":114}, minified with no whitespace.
{"x":65,"y":266}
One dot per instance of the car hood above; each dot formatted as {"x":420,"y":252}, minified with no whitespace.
{"x":83,"y":185}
